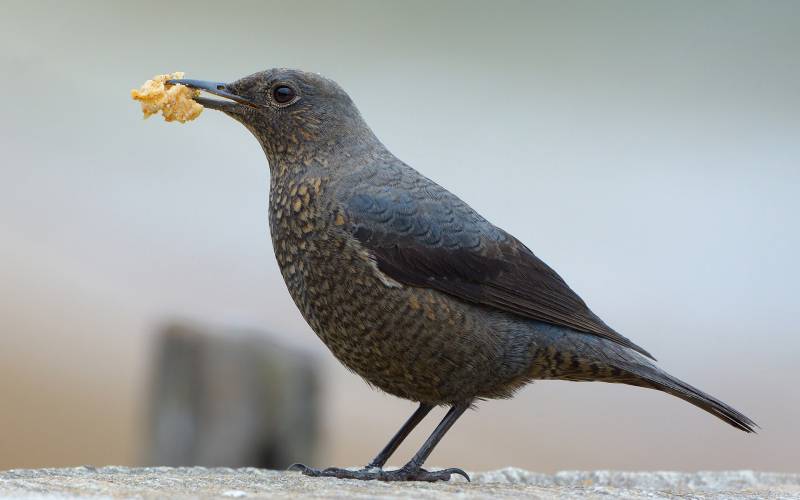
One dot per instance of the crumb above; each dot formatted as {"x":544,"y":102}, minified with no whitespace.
{"x":175,"y":102}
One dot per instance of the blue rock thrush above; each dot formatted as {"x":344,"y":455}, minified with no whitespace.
{"x":405,"y":283}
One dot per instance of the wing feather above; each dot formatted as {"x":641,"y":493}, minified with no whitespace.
{"x":428,"y":237}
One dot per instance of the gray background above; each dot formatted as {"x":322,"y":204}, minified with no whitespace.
{"x":647,"y":151}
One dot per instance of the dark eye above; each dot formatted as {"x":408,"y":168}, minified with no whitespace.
{"x":283,"y":94}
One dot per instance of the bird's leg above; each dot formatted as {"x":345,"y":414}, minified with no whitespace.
{"x":379,"y":461}
{"x":413,"y":470}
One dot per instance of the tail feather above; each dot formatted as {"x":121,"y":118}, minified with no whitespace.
{"x":660,"y":380}
{"x":583,"y":357}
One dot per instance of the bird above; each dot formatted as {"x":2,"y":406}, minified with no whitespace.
{"x":405,"y":283}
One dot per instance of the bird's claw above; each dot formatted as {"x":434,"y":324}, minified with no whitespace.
{"x":440,"y":475}
{"x":376,"y":474}
{"x":300,"y":468}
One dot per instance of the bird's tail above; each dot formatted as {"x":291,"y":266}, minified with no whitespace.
{"x":589,"y":358}
{"x":648,"y":375}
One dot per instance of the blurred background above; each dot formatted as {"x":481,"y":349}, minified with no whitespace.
{"x":649,"y":152}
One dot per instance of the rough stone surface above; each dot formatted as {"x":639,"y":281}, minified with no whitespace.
{"x":200,"y":482}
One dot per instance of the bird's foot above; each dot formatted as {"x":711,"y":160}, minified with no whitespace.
{"x":376,"y":474}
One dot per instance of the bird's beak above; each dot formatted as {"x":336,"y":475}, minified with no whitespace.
{"x":218,"y":89}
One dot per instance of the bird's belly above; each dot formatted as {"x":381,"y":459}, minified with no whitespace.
{"x":411,"y":342}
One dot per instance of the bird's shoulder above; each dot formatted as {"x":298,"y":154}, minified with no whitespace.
{"x":390,"y":203}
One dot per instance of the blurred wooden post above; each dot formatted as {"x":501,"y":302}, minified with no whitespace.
{"x":235,"y":399}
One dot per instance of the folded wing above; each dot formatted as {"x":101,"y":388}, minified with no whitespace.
{"x":429,"y":238}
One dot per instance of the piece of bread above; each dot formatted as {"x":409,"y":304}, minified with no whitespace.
{"x":175,"y":102}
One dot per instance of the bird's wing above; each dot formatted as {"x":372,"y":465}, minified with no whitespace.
{"x":428,"y":237}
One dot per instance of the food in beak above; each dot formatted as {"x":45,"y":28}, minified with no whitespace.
{"x":176,"y":102}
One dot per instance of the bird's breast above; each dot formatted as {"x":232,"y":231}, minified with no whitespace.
{"x":406,"y":340}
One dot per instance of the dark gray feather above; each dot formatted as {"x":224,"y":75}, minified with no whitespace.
{"x":422,"y":235}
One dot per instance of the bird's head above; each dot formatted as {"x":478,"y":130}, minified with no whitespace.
{"x":289,"y":111}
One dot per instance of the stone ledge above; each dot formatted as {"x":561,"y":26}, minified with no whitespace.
{"x":200,"y":482}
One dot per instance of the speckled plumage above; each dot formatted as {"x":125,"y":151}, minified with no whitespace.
{"x":405,"y":283}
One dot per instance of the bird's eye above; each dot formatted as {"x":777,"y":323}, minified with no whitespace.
{"x":283,"y":94}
